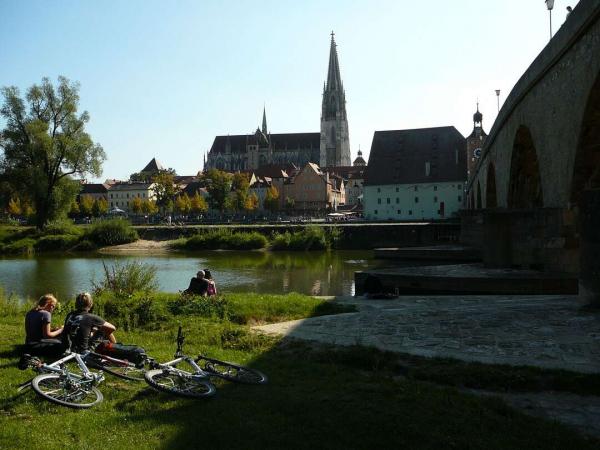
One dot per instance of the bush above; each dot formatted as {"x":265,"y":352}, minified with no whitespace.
{"x":22,"y":246}
{"x":56,"y":242}
{"x":129,"y":312}
{"x":85,"y":246}
{"x":125,"y":279}
{"x":223,"y":239}
{"x":214,"y":307}
{"x":62,"y":227}
{"x":111,"y":232}
{"x":310,"y":238}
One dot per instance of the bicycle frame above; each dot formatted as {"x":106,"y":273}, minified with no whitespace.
{"x":171,"y":367}
{"x":57,"y":367}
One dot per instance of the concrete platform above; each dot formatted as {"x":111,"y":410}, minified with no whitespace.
{"x":464,"y":279}
{"x":455,"y":253}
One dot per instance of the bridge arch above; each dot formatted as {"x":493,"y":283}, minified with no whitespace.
{"x":586,"y":171}
{"x":525,"y":187}
{"x":491,"y":200}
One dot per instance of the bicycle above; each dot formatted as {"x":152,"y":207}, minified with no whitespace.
{"x":57,"y":384}
{"x":166,"y":377}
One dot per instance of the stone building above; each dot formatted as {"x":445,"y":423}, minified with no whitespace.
{"x":415,"y":174}
{"x":475,"y":142}
{"x":330,"y":147}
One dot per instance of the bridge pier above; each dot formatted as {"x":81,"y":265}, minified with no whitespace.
{"x":589,"y":278}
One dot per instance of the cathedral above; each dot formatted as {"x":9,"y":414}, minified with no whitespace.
{"x":330,"y":147}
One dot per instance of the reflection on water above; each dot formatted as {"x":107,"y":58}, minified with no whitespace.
{"x":316,"y":273}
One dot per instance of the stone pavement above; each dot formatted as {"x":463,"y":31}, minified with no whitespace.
{"x":544,"y":331}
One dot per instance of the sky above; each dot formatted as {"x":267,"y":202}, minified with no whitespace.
{"x":163,"y":78}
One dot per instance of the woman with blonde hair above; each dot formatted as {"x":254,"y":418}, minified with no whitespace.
{"x":40,"y":339}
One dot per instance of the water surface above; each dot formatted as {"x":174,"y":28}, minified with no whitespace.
{"x":315,"y":273}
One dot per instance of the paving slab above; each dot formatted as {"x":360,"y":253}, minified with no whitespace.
{"x":466,"y":279}
{"x":549,"y":331}
{"x":457,"y":253}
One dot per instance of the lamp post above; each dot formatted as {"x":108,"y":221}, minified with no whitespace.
{"x":550,"y":5}
{"x":498,"y":98}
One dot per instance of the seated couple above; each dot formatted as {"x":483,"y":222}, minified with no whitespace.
{"x":202,"y":284}
{"x":80,"y":327}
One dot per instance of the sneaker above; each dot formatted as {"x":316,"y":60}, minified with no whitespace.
{"x":24,"y":362}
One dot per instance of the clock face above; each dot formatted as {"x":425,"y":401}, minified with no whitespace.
{"x":477,"y":152}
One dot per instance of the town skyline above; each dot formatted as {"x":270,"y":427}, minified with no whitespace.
{"x":165,"y":81}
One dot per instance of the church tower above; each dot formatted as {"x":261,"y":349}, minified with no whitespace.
{"x":475,"y":142}
{"x":335,"y":141}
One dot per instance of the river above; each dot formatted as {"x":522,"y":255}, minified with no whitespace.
{"x":315,"y":273}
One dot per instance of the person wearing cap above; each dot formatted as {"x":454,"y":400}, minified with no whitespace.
{"x":198,"y":285}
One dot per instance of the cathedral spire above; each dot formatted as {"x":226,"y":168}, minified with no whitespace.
{"x":264,"y":122}
{"x":334,"y":80}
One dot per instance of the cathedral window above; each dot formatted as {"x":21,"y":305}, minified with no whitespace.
{"x":435,"y":199}
{"x":388,"y":200}
{"x":397,"y":200}
{"x":459,"y":198}
{"x":416,"y":199}
{"x":435,"y":188}
{"x":379,"y":201}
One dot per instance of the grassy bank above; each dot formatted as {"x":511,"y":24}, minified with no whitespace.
{"x":309,"y":238}
{"x":320,"y":397}
{"x":64,"y":236}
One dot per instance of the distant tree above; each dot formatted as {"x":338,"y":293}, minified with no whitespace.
{"x":45,"y":143}
{"x":74,"y":210}
{"x":149,"y":207}
{"x":218,"y":185}
{"x":164,"y":190}
{"x":183,"y":204}
{"x":239,"y":186}
{"x":289,"y":203}
{"x":251,"y":202}
{"x":197,"y":204}
{"x":14,"y":207}
{"x":271,"y":202}
{"x":100,"y":207}
{"x":86,"y":204}
{"x":136,"y":205}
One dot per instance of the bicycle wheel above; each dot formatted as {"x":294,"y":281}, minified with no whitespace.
{"x":231,"y":372}
{"x":179,"y":384}
{"x":72,"y":393}
{"x":124,"y":370}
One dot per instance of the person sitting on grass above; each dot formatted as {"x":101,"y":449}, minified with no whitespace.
{"x":40,"y":339}
{"x":81,"y":326}
{"x":212,"y":287}
{"x":198,"y":285}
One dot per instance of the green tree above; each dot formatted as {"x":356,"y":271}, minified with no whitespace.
{"x":164,"y":190}
{"x":74,"y":211}
{"x":14,"y":207}
{"x":289,"y":203}
{"x":218,"y":185}
{"x":271,"y":202}
{"x":86,"y":204}
{"x":251,"y":202}
{"x":238,"y":198}
{"x":183,"y":204}
{"x":198,"y":204}
{"x":137,"y":205}
{"x":45,"y":144}
{"x":149,"y":207}
{"x":100,"y":207}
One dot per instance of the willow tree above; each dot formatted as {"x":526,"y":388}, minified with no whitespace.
{"x":46,"y":146}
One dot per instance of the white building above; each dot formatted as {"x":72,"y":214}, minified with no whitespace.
{"x":415,"y":174}
{"x":121,"y":195}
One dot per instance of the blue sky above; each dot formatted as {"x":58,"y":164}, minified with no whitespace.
{"x":162,"y":78}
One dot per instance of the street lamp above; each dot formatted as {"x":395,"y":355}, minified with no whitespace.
{"x":498,"y":98}
{"x":550,"y":5}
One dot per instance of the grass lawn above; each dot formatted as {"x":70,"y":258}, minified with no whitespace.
{"x":316,"y":398}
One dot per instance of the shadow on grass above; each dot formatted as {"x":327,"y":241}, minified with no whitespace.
{"x":327,"y":397}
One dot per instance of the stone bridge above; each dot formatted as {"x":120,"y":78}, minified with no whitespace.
{"x":535,"y":189}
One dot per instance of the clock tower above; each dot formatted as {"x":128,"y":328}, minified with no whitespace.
{"x":475,"y":142}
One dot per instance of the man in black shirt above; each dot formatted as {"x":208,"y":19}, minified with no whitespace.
{"x":81,"y":325}
{"x":198,"y":285}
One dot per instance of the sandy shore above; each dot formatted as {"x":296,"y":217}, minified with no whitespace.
{"x":139,"y":246}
